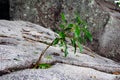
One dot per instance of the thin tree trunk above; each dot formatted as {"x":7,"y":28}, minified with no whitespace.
{"x":41,"y":55}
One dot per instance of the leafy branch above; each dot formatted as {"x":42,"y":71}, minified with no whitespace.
{"x":77,"y":32}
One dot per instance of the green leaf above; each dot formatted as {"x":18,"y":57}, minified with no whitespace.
{"x":62,"y":35}
{"x":56,"y":41}
{"x":61,"y":43}
{"x":88,"y":35}
{"x":77,"y":31}
{"x":80,"y":39}
{"x":78,"y":28}
{"x":80,"y":47}
{"x":62,"y":26}
{"x":67,"y":29}
{"x":78,"y":20}
{"x":63,"y":17}
{"x":66,"y":52}
{"x":70,"y":25}
{"x":44,"y":66}
{"x":65,"y":49}
{"x":74,"y":45}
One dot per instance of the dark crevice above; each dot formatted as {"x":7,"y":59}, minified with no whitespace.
{"x":4,"y":9}
{"x":15,"y":69}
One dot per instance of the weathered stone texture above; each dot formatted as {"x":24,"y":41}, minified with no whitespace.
{"x":47,"y":14}
{"x":21,"y":43}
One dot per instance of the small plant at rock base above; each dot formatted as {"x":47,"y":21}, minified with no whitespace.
{"x":77,"y":32}
{"x":44,"y":66}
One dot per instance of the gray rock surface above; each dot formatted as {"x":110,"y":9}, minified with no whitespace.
{"x":13,"y":59}
{"x":47,"y":12}
{"x":101,"y":23}
{"x":109,"y":41}
{"x":22,"y":42}
{"x":60,"y":72}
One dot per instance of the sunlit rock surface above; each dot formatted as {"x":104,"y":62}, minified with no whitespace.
{"x":21,"y":43}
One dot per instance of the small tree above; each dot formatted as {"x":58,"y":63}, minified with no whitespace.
{"x":77,"y":32}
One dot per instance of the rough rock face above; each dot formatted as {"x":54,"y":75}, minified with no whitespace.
{"x":60,"y":72}
{"x":109,"y":41}
{"x":21,"y":43}
{"x":101,"y":23}
{"x":43,"y":12}
{"x":47,"y":12}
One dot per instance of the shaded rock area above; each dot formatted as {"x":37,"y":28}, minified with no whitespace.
{"x":109,"y":41}
{"x":5,"y":9}
{"x":47,"y":12}
{"x":22,"y":42}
